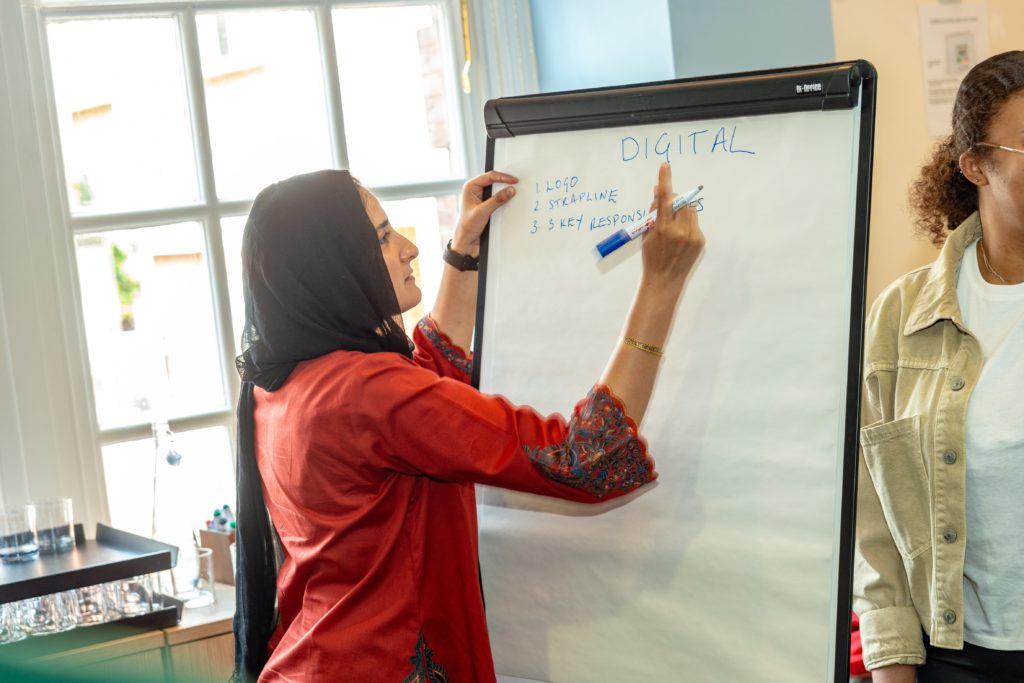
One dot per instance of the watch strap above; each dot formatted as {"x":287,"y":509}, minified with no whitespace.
{"x":459,"y":261}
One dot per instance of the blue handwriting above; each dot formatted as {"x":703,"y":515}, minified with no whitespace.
{"x":665,"y":145}
{"x":558,"y":184}
{"x":614,"y":220}
{"x":610,"y":195}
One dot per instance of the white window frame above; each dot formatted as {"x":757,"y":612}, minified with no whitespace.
{"x":503,"y":58}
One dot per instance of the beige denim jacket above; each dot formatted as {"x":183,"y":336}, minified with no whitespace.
{"x":920,"y":367}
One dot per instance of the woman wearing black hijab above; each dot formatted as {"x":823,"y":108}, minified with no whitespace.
{"x":364,"y":446}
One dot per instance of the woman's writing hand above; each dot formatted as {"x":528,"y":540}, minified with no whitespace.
{"x":670,"y":249}
{"x":476,"y":211}
{"x":672,"y":246}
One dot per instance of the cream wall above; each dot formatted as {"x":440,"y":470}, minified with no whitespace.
{"x":886,"y":33}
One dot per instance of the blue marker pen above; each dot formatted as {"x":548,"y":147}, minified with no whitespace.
{"x":616,"y":240}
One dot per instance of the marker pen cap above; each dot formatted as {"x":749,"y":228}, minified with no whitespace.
{"x":612,"y":242}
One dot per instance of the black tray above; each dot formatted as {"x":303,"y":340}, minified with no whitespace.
{"x":113,"y":555}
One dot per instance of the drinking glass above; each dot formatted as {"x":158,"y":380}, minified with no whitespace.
{"x":115,"y":599}
{"x":67,"y":603}
{"x":10,"y":629}
{"x":56,"y":526}
{"x":42,"y":614}
{"x":163,"y":586}
{"x":193,"y":578}
{"x":18,"y":534}
{"x":137,"y":595}
{"x":98,"y":604}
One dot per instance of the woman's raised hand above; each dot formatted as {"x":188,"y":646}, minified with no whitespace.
{"x":670,"y":249}
{"x":673,"y":245}
{"x":476,"y":211}
{"x":454,"y":309}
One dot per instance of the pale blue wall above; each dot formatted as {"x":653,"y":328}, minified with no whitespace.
{"x":590,"y":43}
{"x":722,"y":36}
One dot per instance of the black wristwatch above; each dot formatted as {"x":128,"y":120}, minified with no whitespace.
{"x":460,"y":261}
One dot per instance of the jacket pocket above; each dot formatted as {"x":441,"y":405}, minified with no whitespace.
{"x":892,"y":453}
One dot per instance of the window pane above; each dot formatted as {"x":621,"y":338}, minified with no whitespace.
{"x":399,"y":105}
{"x":123,"y":112}
{"x":264,"y":98}
{"x":429,"y":222}
{"x":186,"y":493}
{"x":149,"y":322}
{"x":231,"y":232}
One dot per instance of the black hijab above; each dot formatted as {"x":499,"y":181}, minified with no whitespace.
{"x":314,"y":281}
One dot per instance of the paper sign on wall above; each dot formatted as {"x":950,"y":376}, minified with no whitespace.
{"x":953,"y":39}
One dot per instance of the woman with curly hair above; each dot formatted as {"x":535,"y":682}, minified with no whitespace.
{"x":939,"y":575}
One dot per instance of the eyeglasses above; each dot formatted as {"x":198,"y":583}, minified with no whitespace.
{"x":1008,"y":149}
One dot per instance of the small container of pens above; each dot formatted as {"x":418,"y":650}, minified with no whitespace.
{"x":219,"y":535}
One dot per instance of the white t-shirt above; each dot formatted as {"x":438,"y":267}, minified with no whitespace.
{"x":994,"y":564}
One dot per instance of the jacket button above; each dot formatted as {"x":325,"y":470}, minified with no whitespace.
{"x":949,"y":535}
{"x":949,"y":457}
{"x":949,"y":616}
{"x":956,"y":384}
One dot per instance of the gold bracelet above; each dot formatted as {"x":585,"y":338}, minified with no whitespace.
{"x":647,"y":348}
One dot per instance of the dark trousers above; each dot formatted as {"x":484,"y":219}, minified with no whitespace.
{"x":973,"y":664}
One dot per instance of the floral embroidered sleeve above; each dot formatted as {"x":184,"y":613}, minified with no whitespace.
{"x":602,"y":453}
{"x":435,"y":351}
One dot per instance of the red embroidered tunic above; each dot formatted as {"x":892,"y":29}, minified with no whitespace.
{"x":368,"y":465}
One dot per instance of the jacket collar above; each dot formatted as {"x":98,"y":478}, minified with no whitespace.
{"x":937,"y":299}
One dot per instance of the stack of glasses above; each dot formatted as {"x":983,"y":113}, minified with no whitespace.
{"x":87,"y":606}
